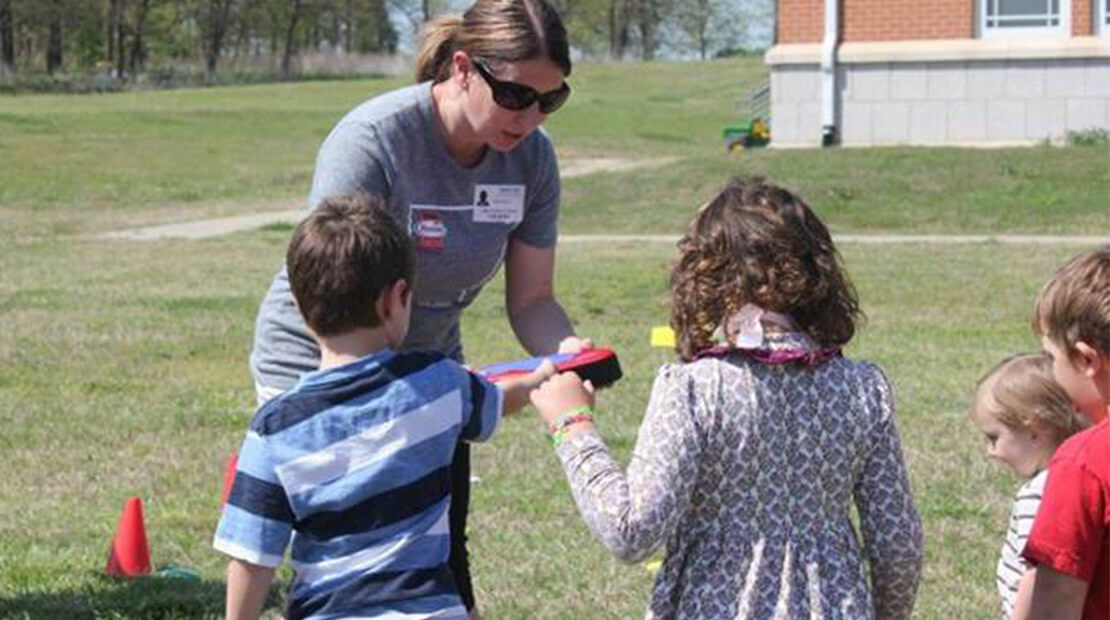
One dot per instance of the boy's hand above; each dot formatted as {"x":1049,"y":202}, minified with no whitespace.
{"x":542,"y":373}
{"x":560,"y":394}
{"x":528,"y":381}
{"x":516,"y":388}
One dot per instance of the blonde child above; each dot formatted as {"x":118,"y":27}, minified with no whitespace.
{"x":754,"y":448}
{"x":1024,"y":416}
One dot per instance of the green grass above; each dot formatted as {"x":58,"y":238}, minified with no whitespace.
{"x":72,"y":165}
{"x":123,"y":365}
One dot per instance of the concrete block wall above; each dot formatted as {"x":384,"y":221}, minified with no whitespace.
{"x":949,"y":102}
{"x":796,"y":104}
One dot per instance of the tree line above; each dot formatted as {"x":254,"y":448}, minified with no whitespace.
{"x":123,"y":37}
{"x":646,"y":29}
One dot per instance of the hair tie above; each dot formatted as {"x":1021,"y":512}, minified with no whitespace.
{"x":744,"y":329}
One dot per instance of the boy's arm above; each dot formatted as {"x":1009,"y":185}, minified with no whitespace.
{"x":1023,"y":597}
{"x":1055,"y":596}
{"x":247,"y":588}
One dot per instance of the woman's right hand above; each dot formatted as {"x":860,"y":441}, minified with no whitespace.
{"x":560,"y":394}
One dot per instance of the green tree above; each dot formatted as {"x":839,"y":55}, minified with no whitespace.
{"x":55,"y":36}
{"x":7,"y":37}
{"x":216,"y":19}
{"x":708,"y":24}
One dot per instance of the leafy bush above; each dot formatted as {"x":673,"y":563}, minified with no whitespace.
{"x":1092,"y":136}
{"x":186,"y":74}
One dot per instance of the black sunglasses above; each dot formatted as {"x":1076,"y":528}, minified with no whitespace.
{"x":514,"y":96}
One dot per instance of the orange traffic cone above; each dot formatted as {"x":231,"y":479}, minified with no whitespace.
{"x":129,"y":555}
{"x":229,"y":477}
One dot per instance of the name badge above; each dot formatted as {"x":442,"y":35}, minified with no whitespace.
{"x":429,"y":231}
{"x":499,"y":204}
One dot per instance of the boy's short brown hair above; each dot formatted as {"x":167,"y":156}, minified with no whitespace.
{"x":340,"y":260}
{"x":1075,"y":305}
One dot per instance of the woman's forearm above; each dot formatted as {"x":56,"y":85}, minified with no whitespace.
{"x":540,"y":325}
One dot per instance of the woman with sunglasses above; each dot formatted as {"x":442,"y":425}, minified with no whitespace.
{"x":458,"y":158}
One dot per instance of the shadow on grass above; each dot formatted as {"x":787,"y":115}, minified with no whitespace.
{"x":145,"y":598}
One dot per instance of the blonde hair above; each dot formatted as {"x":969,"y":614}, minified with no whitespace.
{"x":495,"y":30}
{"x":1021,"y":392}
{"x":1075,"y":305}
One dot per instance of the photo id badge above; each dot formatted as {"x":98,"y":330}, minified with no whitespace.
{"x":499,"y":204}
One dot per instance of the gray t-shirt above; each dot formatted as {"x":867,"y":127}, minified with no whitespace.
{"x":460,"y":220}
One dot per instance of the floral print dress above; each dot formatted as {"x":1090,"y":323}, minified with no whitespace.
{"x":747,"y":472}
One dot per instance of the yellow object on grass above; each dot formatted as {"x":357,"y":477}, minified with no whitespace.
{"x":653,"y":566}
{"x":662,"y":336}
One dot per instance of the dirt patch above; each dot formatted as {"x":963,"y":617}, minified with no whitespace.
{"x":202,"y":229}
{"x":582,"y":167}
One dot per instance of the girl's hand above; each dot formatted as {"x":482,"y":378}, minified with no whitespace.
{"x":560,"y":394}
{"x":574,"y":344}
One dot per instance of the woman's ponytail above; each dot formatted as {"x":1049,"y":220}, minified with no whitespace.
{"x":437,"y":44}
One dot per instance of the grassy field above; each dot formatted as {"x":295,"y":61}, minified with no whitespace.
{"x":123,"y":365}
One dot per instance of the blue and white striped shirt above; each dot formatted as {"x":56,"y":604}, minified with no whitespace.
{"x":352,"y":467}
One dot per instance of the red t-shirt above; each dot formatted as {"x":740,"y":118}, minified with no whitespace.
{"x":1071,"y":533}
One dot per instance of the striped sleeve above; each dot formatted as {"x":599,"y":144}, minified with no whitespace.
{"x":257,"y":521}
{"x":1011,"y":566}
{"x":481,"y":408}
{"x":1024,"y":512}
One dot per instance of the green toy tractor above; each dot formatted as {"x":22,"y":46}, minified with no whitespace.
{"x":755,"y":132}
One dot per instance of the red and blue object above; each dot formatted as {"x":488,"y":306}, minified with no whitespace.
{"x":598,"y":366}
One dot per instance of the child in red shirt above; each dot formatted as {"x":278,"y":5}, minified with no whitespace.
{"x":1070,"y":540}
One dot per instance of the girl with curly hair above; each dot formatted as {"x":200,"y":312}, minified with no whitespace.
{"x":756,"y":446}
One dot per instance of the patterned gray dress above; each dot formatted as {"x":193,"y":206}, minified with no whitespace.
{"x":747,"y":472}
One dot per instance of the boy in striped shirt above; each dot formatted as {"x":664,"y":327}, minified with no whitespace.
{"x":351,"y":467}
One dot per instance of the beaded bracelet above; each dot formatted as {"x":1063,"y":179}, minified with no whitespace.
{"x":560,"y":428}
{"x":565,"y":419}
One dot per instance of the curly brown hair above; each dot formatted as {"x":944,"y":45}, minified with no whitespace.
{"x":758,"y":243}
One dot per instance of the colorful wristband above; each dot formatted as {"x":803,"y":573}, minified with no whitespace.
{"x":562,"y":434}
{"x":566,"y":418}
{"x":560,"y":428}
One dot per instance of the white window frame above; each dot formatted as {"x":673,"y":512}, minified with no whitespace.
{"x":1102,"y":17}
{"x":1063,"y":29}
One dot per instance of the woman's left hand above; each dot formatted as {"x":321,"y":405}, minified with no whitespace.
{"x":574,"y":344}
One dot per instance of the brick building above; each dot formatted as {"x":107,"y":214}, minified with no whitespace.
{"x":864,"y":72}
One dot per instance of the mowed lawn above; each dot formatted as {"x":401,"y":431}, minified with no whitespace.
{"x":123,"y":365}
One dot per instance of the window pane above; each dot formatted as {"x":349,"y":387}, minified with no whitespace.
{"x":1025,"y":23}
{"x":1023,"y":7}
